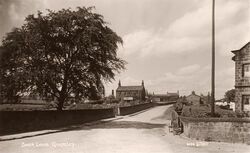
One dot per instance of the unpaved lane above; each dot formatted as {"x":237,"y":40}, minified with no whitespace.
{"x":141,"y":133}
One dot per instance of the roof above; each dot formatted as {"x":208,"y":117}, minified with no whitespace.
{"x":160,"y":95}
{"x":165,"y":95}
{"x":129,"y":88}
{"x":235,"y":51}
{"x":172,"y":94}
{"x":193,"y":95}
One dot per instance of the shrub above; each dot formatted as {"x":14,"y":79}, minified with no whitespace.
{"x":227,"y":107}
{"x":200,"y":111}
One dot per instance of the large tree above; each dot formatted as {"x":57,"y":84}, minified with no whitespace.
{"x":59,"y":55}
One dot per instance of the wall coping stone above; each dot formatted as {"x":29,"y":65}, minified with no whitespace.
{"x":136,"y":105}
{"x":193,"y":119}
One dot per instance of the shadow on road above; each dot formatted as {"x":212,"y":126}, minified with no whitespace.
{"x":123,"y":124}
{"x":95,"y":125}
{"x":166,"y":115}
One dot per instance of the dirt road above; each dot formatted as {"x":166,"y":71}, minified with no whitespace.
{"x":146,"y":132}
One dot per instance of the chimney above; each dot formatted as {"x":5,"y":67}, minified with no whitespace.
{"x":119,"y":84}
{"x":142,"y":83}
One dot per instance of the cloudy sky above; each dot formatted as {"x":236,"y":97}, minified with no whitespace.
{"x":167,"y":43}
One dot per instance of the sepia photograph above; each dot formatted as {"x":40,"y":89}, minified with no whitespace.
{"x":125,"y":76}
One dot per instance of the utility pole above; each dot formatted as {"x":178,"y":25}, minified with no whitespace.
{"x":213,"y":62}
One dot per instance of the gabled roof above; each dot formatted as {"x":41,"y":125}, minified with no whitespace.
{"x":193,"y":95}
{"x":235,"y":51}
{"x":129,"y":88}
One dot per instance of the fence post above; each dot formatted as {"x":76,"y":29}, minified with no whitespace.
{"x":116,"y":110}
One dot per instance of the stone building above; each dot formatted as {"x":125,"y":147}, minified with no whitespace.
{"x":206,"y":99}
{"x":194,"y":99}
{"x":131,"y":93}
{"x":169,"y":97}
{"x":242,"y":78}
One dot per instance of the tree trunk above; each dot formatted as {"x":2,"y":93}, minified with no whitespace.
{"x":60,"y":103}
{"x":63,"y":92}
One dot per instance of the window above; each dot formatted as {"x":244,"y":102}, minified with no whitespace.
{"x":246,"y":70}
{"x":246,"y":102}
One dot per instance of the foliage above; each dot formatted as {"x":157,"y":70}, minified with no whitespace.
{"x":31,"y":105}
{"x":60,"y":55}
{"x":203,"y":111}
{"x":230,"y":95}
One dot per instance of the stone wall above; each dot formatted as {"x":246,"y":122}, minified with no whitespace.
{"x":133,"y":109}
{"x":26,"y":121}
{"x":233,"y":130}
{"x":12,"y":122}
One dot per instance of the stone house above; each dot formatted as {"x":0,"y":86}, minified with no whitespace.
{"x":131,"y":93}
{"x":242,"y":78}
{"x":194,"y":99}
{"x":165,"y":97}
{"x":206,"y":99}
{"x":172,"y":96}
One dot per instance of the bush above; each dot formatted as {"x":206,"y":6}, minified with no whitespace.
{"x":227,"y":107}
{"x":111,"y":101}
{"x":199,"y":111}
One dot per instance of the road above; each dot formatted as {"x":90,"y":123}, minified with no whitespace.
{"x":145,"y":132}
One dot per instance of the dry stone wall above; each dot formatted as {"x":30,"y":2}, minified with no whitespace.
{"x":217,"y":129}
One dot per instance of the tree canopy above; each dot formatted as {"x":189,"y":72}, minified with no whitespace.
{"x":68,"y":53}
{"x":230,"y":95}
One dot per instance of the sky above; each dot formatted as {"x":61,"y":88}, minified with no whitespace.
{"x":167,"y":43}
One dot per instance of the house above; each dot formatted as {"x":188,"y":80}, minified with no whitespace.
{"x":165,"y":97}
{"x":131,"y":93}
{"x":206,"y":99}
{"x":194,"y":99}
{"x":173,"y":96}
{"x":242,"y":78}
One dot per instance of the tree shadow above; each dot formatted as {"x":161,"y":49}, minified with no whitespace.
{"x":92,"y":126}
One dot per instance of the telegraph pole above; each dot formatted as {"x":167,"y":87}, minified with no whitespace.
{"x":213,"y":62}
